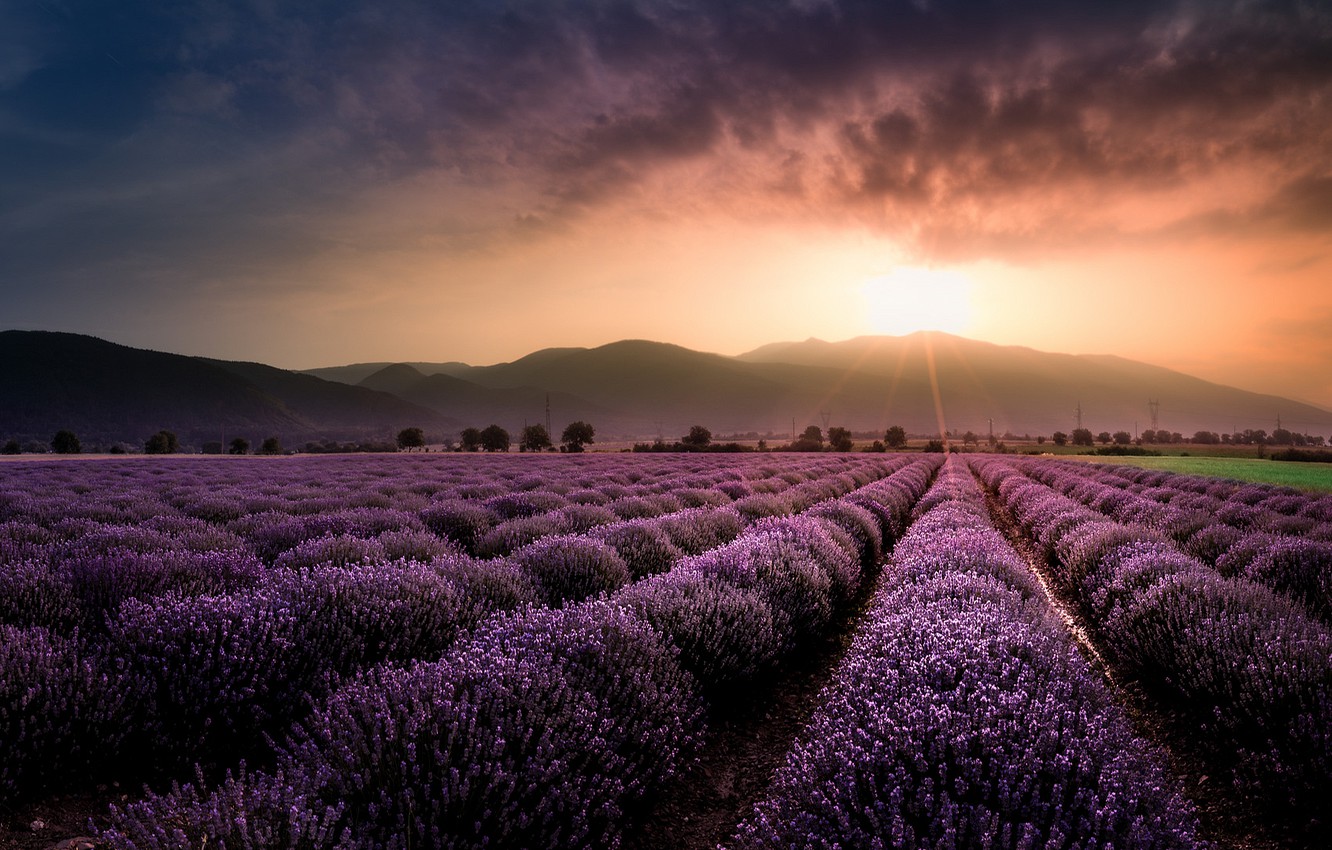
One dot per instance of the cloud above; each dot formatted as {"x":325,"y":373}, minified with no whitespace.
{"x":968,"y":128}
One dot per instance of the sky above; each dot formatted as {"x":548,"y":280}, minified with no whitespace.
{"x":312,"y":184}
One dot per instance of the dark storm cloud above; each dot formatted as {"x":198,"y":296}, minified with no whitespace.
{"x":205,"y":122}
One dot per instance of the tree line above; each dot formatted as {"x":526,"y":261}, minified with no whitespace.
{"x":494,"y":438}
{"x":577,"y":435}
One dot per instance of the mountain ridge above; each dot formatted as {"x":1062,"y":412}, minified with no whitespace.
{"x":630,"y":389}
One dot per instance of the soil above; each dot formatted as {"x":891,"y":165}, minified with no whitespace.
{"x":748,"y":740}
{"x":56,"y":823}
{"x":1225,"y":818}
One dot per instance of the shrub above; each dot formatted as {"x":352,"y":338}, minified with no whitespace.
{"x":698,"y":530}
{"x":101,"y":583}
{"x":1300,"y":569}
{"x":330,"y":551}
{"x":543,"y":731}
{"x":1251,"y":669}
{"x":461,"y":521}
{"x":347,"y":618}
{"x":488,"y":587}
{"x":577,"y":519}
{"x":645,"y":548}
{"x":570,"y":569}
{"x":224,"y":671}
{"x":249,"y":811}
{"x":62,"y":717}
{"x":858,"y":522}
{"x":32,"y":595}
{"x":420,"y":546}
{"x":514,"y":534}
{"x":726,"y":634}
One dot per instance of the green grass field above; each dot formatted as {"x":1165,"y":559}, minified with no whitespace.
{"x":1305,"y":476}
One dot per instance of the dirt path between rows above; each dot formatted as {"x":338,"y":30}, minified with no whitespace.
{"x":747,"y":743}
{"x":1225,"y":819}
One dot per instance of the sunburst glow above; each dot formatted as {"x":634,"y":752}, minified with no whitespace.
{"x":910,"y":299}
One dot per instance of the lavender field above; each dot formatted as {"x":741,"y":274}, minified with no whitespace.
{"x":532,"y":652}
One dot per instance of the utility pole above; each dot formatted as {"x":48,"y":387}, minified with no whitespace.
{"x":1079,"y":415}
{"x":548,"y":414}
{"x":1154,"y":405}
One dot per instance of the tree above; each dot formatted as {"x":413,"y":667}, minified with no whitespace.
{"x":970,"y":438}
{"x":1082,"y":437}
{"x":411,"y":438}
{"x":814,"y":434}
{"x":535,"y":438}
{"x":65,"y":443}
{"x":1122,"y":438}
{"x":12,"y":447}
{"x":839,"y":439}
{"x":895,"y":437}
{"x":239,"y":446}
{"x":1103,"y":438}
{"x":271,"y":446}
{"x":494,"y":439}
{"x":470,"y":439}
{"x":162,"y":443}
{"x":1059,"y":438}
{"x":576,"y":435}
{"x":698,"y":437}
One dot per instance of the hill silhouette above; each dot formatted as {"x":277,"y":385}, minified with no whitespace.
{"x":630,"y":389}
{"x":641,"y":388}
{"x":109,"y":393}
{"x":1025,"y":390}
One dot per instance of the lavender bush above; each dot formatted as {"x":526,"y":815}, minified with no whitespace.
{"x":964,"y":716}
{"x":63,"y":717}
{"x":571,"y":568}
{"x":447,"y":754}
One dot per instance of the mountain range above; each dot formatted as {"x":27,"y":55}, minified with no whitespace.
{"x":630,"y":389}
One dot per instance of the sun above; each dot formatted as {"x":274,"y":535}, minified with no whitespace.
{"x":913,"y":298}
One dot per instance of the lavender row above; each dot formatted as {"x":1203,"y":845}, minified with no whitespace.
{"x":80,"y":570}
{"x":1265,"y":499}
{"x":545,"y":728}
{"x":1249,"y":667}
{"x":86,"y":579}
{"x":964,"y":716}
{"x":1241,"y":535}
{"x":206,"y":678}
{"x":220,"y":491}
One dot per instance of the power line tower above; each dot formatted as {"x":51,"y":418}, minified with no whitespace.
{"x":1079,"y":413}
{"x":826,"y":415}
{"x":1154,"y":405}
{"x":547,"y":414}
